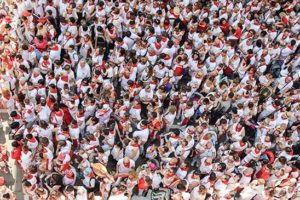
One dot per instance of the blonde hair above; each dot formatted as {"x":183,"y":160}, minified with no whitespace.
{"x":172,"y":109}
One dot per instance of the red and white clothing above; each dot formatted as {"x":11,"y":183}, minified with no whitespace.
{"x":56,"y":117}
{"x":125,"y":168}
{"x":253,"y":154}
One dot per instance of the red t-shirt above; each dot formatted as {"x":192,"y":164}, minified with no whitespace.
{"x":16,"y":153}
{"x":238,"y":32}
{"x":41,"y":45}
{"x":224,"y":27}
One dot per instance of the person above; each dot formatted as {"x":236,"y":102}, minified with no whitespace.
{"x":162,"y":99}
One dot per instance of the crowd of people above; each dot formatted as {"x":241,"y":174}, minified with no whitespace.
{"x":159,"y":99}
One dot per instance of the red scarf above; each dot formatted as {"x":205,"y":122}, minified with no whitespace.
{"x":152,"y":53}
{"x":238,"y":129}
{"x":157,"y":45}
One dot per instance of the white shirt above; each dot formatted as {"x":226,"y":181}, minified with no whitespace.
{"x":83,"y":72}
{"x":146,"y":95}
{"x":122,"y":168}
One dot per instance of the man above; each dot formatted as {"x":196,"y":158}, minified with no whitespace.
{"x":284,"y":84}
{"x":125,"y":165}
{"x":83,"y":71}
{"x":146,"y":96}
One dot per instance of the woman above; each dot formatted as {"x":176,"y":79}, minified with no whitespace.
{"x":86,"y":47}
{"x":117,"y":151}
{"x":147,"y":75}
{"x":225,"y":27}
{"x":7,"y":99}
{"x":169,"y":117}
{"x":97,"y":57}
{"x":111,"y":33}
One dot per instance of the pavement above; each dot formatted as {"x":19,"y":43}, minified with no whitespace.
{"x":13,"y":179}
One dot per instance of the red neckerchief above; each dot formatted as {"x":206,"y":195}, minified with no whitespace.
{"x":75,"y":126}
{"x":205,"y":137}
{"x":17,"y":117}
{"x":174,"y":136}
{"x":32,"y":140}
{"x":184,"y":169}
{"x":225,"y":182}
{"x":7,"y":97}
{"x":54,"y":48}
{"x":135,"y":145}
{"x":168,"y":57}
{"x":169,"y":175}
{"x":172,"y":165}
{"x":153,"y":53}
{"x":157,"y":45}
{"x":276,"y":107}
{"x":80,"y":115}
{"x":238,"y":129}
{"x":50,"y":3}
{"x":64,"y":78}
{"x":257,"y":151}
{"x":59,"y":113}
{"x":194,"y":176}
{"x":137,"y":107}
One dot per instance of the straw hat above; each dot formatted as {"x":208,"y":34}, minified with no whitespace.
{"x":99,"y":169}
{"x":176,"y":10}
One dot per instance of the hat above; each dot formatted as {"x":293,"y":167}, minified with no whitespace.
{"x":176,"y":11}
{"x":99,"y":169}
{"x":288,"y":114}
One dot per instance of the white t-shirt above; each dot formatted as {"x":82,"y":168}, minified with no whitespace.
{"x":146,"y":95}
{"x":123,"y":169}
